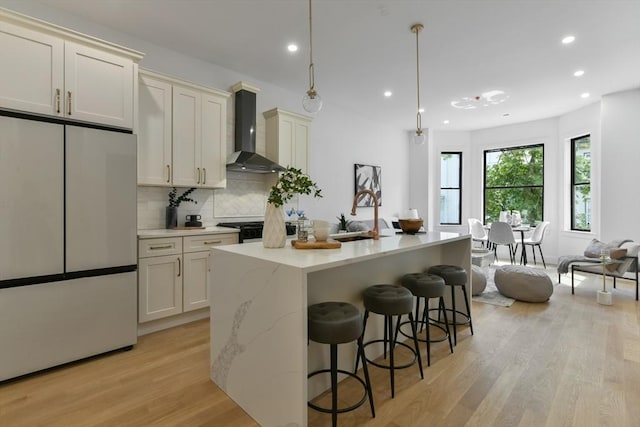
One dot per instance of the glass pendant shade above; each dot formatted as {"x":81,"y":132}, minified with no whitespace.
{"x":312,"y":102}
{"x":419,"y":138}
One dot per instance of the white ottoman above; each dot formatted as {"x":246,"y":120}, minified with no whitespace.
{"x":478,"y":280}
{"x":523,"y":283}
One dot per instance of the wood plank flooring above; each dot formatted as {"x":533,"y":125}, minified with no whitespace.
{"x":569,"y":362}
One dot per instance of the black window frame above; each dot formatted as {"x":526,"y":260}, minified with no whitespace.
{"x":459,"y":188}
{"x":484,"y":176}
{"x":573,"y":184}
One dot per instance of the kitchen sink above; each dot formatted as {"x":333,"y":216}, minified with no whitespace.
{"x":352,"y":237}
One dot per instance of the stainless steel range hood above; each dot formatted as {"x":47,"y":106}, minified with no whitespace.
{"x":245,"y":158}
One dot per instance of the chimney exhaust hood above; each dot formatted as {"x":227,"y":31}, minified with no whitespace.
{"x":245,"y":158}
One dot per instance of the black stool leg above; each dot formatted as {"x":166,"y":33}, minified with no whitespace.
{"x":392,"y":344}
{"x":364,"y":328}
{"x":366,"y":376}
{"x":428,"y":335}
{"x":466,"y":303}
{"x":334,"y":384}
{"x":415,"y":342}
{"x":455,"y":321}
{"x":446,"y":321}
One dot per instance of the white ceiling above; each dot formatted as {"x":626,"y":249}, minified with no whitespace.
{"x":364,"y":47}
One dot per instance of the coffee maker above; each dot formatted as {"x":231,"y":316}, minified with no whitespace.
{"x":193,"y":221}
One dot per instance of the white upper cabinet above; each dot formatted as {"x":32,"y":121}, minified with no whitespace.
{"x":60,"y":73}
{"x":288,"y":138}
{"x":182,"y":133}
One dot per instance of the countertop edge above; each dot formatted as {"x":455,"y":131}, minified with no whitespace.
{"x":164,"y":232}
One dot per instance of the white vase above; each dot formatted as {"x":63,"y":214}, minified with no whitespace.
{"x":274,"y":233}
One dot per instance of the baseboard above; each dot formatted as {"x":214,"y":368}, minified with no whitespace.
{"x":170,"y":322}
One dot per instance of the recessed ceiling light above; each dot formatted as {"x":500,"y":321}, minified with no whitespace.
{"x":579,"y":73}
{"x":446,"y":122}
{"x":506,"y":115}
{"x":568,"y":39}
{"x":492,"y":97}
{"x":387,"y":93}
{"x":585,"y":95}
{"x":421,"y":110}
{"x":292,"y":47}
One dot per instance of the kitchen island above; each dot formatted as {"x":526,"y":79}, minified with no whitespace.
{"x":259,"y":297}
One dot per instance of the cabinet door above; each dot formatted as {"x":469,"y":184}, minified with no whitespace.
{"x":154,"y":132}
{"x":31,"y":78}
{"x":98,"y":86}
{"x":214,"y":141}
{"x":300,"y":153}
{"x":187,"y":118}
{"x":159,"y":287}
{"x":196,"y":274}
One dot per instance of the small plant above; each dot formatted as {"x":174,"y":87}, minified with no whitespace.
{"x":174,"y":201}
{"x":292,"y":182}
{"x":343,"y":222}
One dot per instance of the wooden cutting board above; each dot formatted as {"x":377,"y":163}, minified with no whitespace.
{"x":312,"y":244}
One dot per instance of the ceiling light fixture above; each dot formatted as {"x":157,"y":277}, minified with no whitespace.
{"x":568,"y":39}
{"x":311,"y":102}
{"x":419,"y":138}
{"x":579,"y":73}
{"x":492,"y":97}
{"x":585,"y":95}
{"x":446,"y":122}
{"x":292,"y":47}
{"x":387,"y":93}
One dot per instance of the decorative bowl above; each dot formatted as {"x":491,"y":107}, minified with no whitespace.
{"x":321,"y":233}
{"x":411,"y":226}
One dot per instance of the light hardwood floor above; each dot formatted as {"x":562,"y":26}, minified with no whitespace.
{"x":569,"y":362}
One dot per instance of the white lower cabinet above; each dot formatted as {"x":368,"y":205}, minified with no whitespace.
{"x":173,"y":274}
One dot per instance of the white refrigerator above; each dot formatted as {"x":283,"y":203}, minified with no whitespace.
{"x":67,"y":243}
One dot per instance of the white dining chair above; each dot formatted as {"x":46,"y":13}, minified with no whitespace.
{"x":500,"y":233}
{"x":477,"y":231}
{"x":536,"y":240}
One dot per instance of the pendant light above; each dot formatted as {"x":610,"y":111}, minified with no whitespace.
{"x":419,"y":137}
{"x":312,"y":102}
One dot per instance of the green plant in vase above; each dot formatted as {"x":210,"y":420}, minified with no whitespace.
{"x":171,"y":218}
{"x":291,"y":182}
{"x":343,"y":222}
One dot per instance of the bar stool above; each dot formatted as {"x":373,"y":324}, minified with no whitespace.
{"x":389,"y":301}
{"x":426,"y":286}
{"x":336,"y":323}
{"x":453,"y":276}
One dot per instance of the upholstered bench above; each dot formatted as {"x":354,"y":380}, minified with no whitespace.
{"x":523,"y":283}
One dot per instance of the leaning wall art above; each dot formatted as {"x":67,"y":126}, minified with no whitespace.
{"x":368,"y":177}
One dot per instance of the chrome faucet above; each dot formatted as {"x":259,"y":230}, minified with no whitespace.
{"x":376,"y":229}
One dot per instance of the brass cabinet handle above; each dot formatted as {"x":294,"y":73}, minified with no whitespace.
{"x":160,"y":247}
{"x":179,"y":267}
{"x":58,"y":101}
{"x":69,"y":102}
{"x":204,"y":173}
{"x":198,"y":182}
{"x":168,"y":173}
{"x":213,"y":242}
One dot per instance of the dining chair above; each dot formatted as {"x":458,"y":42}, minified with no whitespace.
{"x":477,"y":231}
{"x":500,"y":233}
{"x":536,"y":240}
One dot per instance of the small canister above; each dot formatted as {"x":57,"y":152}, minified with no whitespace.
{"x":303,"y":233}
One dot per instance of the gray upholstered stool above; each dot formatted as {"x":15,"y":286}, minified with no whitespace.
{"x":389,"y":301}
{"x":453,"y":276}
{"x":425,"y":285}
{"x":336,"y":323}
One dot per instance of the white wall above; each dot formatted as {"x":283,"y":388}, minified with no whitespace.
{"x":340,"y":138}
{"x":620,"y":166}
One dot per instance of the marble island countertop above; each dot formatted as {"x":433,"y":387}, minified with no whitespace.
{"x":310,"y":260}
{"x":168,"y":232}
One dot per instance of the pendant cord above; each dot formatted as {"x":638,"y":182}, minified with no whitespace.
{"x":311,"y":71}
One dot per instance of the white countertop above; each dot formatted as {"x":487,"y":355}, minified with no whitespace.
{"x":318,"y":259}
{"x":164,"y":232}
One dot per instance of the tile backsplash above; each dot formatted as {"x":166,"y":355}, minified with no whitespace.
{"x":244,"y":199}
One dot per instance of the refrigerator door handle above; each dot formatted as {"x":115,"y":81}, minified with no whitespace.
{"x":58,"y":101}
{"x":69,"y":102}
{"x":179,"y":267}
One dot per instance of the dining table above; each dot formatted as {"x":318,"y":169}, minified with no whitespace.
{"x":522,"y":229}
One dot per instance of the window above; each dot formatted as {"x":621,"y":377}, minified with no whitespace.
{"x":450,"y":188}
{"x":514,"y":180}
{"x":581,"y":183}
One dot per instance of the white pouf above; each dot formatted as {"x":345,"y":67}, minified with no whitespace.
{"x":478,"y":280}
{"x":523,"y":283}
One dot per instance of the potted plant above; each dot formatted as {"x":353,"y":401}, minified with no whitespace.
{"x":290,"y":183}
{"x":343,"y":223}
{"x":171,"y":218}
